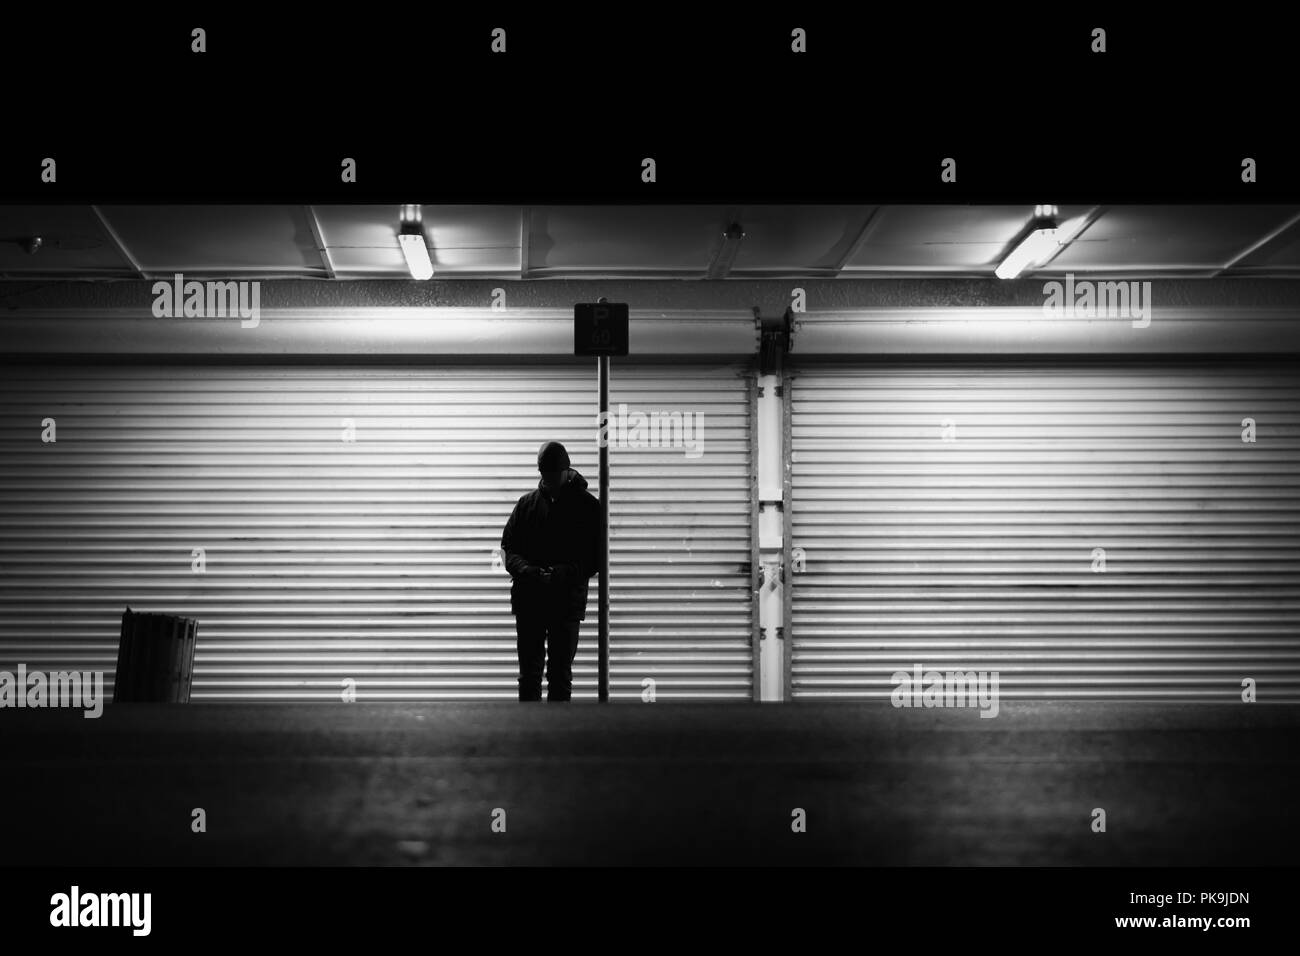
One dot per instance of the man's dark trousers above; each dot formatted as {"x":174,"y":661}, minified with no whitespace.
{"x":549,"y":641}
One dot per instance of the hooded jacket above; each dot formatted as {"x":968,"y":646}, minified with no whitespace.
{"x":564,"y":535}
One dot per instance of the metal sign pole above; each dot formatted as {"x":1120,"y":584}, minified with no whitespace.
{"x":602,"y":375}
{"x":600,"y":328}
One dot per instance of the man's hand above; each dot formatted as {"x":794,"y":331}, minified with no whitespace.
{"x":544,"y":575}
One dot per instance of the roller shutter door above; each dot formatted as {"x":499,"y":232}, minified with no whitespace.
{"x":978,"y":553}
{"x":369,"y":559}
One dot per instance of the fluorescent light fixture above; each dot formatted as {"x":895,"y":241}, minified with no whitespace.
{"x":416,"y":251}
{"x":725,"y":257}
{"x":1042,"y":242}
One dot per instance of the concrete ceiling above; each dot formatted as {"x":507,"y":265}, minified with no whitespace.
{"x":639,"y":241}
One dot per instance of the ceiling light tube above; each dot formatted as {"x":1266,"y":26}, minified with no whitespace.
{"x":1039,"y":245}
{"x":729,"y":248}
{"x":416,"y":250}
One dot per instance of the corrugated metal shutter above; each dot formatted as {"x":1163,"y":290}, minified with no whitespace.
{"x":370,"y":559}
{"x":977,"y":554}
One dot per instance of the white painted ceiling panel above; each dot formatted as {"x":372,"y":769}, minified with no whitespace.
{"x":74,"y":242}
{"x":1159,"y":238}
{"x":217,"y":239}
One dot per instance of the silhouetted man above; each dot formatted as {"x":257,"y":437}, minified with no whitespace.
{"x":553,"y":546}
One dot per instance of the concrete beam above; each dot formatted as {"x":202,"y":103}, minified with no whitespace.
{"x":844,"y":318}
{"x":770,"y":296}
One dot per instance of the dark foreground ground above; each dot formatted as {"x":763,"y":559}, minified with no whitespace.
{"x":652,"y":784}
